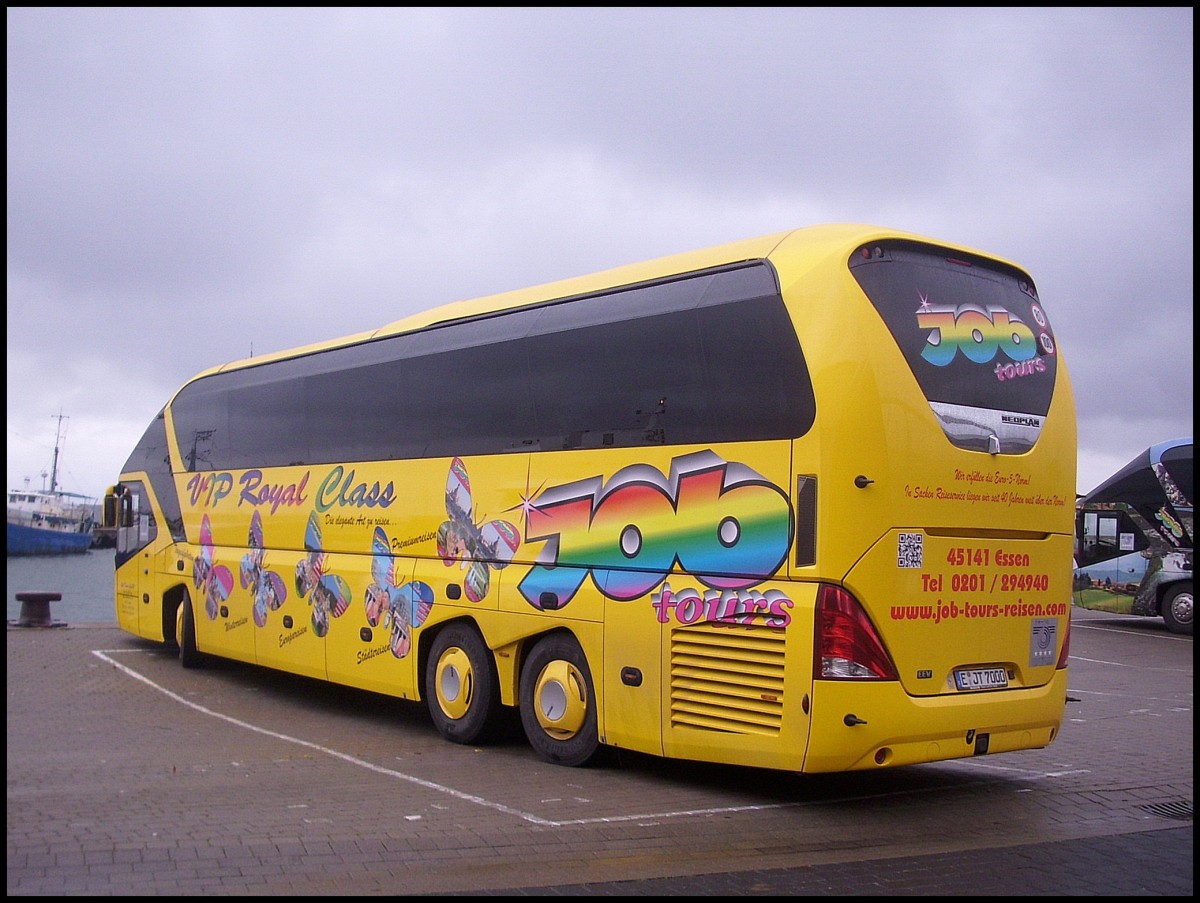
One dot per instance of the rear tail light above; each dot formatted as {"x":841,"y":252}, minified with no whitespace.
{"x":847,"y":645}
{"x":1066,"y":646}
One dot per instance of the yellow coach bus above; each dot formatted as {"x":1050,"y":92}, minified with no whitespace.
{"x":801,"y":502}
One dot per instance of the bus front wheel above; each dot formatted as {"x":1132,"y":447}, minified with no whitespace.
{"x":558,"y":702}
{"x":461,"y":687}
{"x":185,"y":635}
{"x":1177,"y":608}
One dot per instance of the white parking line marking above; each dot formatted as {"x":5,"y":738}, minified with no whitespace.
{"x":106,"y":655}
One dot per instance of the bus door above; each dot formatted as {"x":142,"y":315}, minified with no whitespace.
{"x":127,"y":510}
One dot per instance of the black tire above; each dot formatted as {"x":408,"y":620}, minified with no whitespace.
{"x":558,"y":702}
{"x":185,"y":633}
{"x":462,"y":690}
{"x":1177,"y":609}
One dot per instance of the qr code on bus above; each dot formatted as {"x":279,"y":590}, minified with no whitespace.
{"x":910,"y":550}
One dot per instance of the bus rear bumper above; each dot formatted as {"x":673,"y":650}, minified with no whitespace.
{"x":857,"y":726}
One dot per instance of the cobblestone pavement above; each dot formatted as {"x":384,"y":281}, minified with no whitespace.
{"x":128,"y":775}
{"x":1125,"y":865}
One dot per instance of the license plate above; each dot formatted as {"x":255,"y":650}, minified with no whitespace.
{"x":981,"y":679}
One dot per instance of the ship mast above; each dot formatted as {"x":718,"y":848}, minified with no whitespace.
{"x":54,"y":465}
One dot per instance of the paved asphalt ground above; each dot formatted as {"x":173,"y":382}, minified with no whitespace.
{"x":129,"y":776}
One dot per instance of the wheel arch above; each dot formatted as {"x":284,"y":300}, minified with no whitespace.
{"x":506,"y":658}
{"x":1164,"y":590}
{"x":1167,"y":594}
{"x":525,"y":646}
{"x":174,"y":596}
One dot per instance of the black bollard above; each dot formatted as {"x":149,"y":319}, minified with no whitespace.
{"x":35,"y":610}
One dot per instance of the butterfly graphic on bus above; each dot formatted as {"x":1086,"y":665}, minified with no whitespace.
{"x":477,"y":547}
{"x":402,"y":609}
{"x":215,"y":581}
{"x":330,"y":593}
{"x":268,"y":587}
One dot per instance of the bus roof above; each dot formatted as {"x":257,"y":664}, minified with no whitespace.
{"x":820,"y":238}
{"x":1164,"y":452}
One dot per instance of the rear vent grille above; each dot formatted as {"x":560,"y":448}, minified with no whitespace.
{"x":728,"y":679}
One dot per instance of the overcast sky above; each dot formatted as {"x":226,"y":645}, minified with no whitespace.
{"x":192,"y":186}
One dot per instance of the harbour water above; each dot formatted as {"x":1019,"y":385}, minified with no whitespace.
{"x":84,"y":580}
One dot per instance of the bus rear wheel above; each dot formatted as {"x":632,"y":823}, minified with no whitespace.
{"x":558,"y":702}
{"x":185,"y":635}
{"x":462,"y":691}
{"x":1177,"y":608}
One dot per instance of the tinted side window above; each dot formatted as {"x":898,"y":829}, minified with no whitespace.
{"x":710,"y":357}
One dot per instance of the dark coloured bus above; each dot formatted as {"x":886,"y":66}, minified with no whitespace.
{"x":1133,"y":538}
